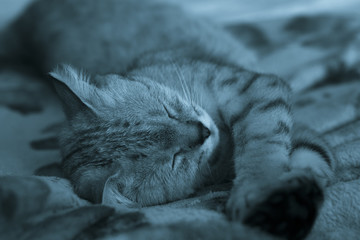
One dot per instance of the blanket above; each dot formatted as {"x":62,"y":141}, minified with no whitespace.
{"x":319,"y":56}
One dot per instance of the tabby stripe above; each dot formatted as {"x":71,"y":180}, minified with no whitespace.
{"x":67,"y":157}
{"x":261,"y":137}
{"x":277,"y":82}
{"x":95,"y":137}
{"x":313,"y":147}
{"x":250,"y":82}
{"x":91,"y":130}
{"x":210,"y":80}
{"x":93,"y":163}
{"x":274,"y":83}
{"x":72,"y":153}
{"x":82,"y":146}
{"x":279,"y":102}
{"x":73,"y":167}
{"x":229,"y":81}
{"x":97,"y":163}
{"x":88,"y":138}
{"x":243,"y":114}
{"x":282,"y":128}
{"x":246,"y":139}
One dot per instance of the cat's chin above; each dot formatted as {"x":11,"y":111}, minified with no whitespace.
{"x":211,"y":143}
{"x":219,"y":167}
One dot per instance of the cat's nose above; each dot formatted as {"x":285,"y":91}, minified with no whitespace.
{"x":191,"y":134}
{"x":204,"y":132}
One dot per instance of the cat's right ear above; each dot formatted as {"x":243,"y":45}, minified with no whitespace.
{"x":74,"y":90}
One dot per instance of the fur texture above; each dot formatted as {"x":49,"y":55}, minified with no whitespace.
{"x":167,"y":107}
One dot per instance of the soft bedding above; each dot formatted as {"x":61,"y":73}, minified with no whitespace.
{"x":318,"y":54}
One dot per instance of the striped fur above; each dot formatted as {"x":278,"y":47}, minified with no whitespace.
{"x":178,"y":111}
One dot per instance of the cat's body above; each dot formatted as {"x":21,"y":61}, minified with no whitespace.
{"x":182,"y":113}
{"x":127,"y":30}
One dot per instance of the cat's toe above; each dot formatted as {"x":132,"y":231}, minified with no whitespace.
{"x":234,"y":208}
{"x":241,"y":200}
{"x":290,"y":210}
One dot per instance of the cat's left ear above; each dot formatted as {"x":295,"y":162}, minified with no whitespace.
{"x":74,"y":90}
{"x":112,"y":193}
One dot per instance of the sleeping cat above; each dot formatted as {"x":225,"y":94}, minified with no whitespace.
{"x":160,"y":104}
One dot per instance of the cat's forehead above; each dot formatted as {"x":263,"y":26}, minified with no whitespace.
{"x":140,"y":90}
{"x":113,"y":95}
{"x":131,"y":85}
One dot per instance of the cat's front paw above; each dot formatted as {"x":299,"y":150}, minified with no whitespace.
{"x":288,"y":209}
{"x":241,"y":200}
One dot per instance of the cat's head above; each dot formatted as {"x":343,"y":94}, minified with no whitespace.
{"x":131,"y":140}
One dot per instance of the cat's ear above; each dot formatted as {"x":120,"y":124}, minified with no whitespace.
{"x":74,"y":90}
{"x":113,"y":193}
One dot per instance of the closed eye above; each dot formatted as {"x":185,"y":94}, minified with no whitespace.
{"x":175,"y":157}
{"x":169,"y":114}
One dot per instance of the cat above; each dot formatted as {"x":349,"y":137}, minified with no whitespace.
{"x":160,"y":103}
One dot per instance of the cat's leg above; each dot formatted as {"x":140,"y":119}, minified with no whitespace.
{"x":311,"y":154}
{"x":291,"y":207}
{"x":257,"y":109}
{"x":261,"y":123}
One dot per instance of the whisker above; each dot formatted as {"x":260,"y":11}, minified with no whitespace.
{"x":181,"y":81}
{"x":200,"y":98}
{"x":187,"y":89}
{"x":184,"y":90}
{"x":186,"y":84}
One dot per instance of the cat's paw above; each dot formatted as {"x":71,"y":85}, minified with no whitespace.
{"x":287,"y":210}
{"x":241,"y":200}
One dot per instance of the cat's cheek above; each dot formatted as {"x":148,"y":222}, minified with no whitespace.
{"x":112,"y":194}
